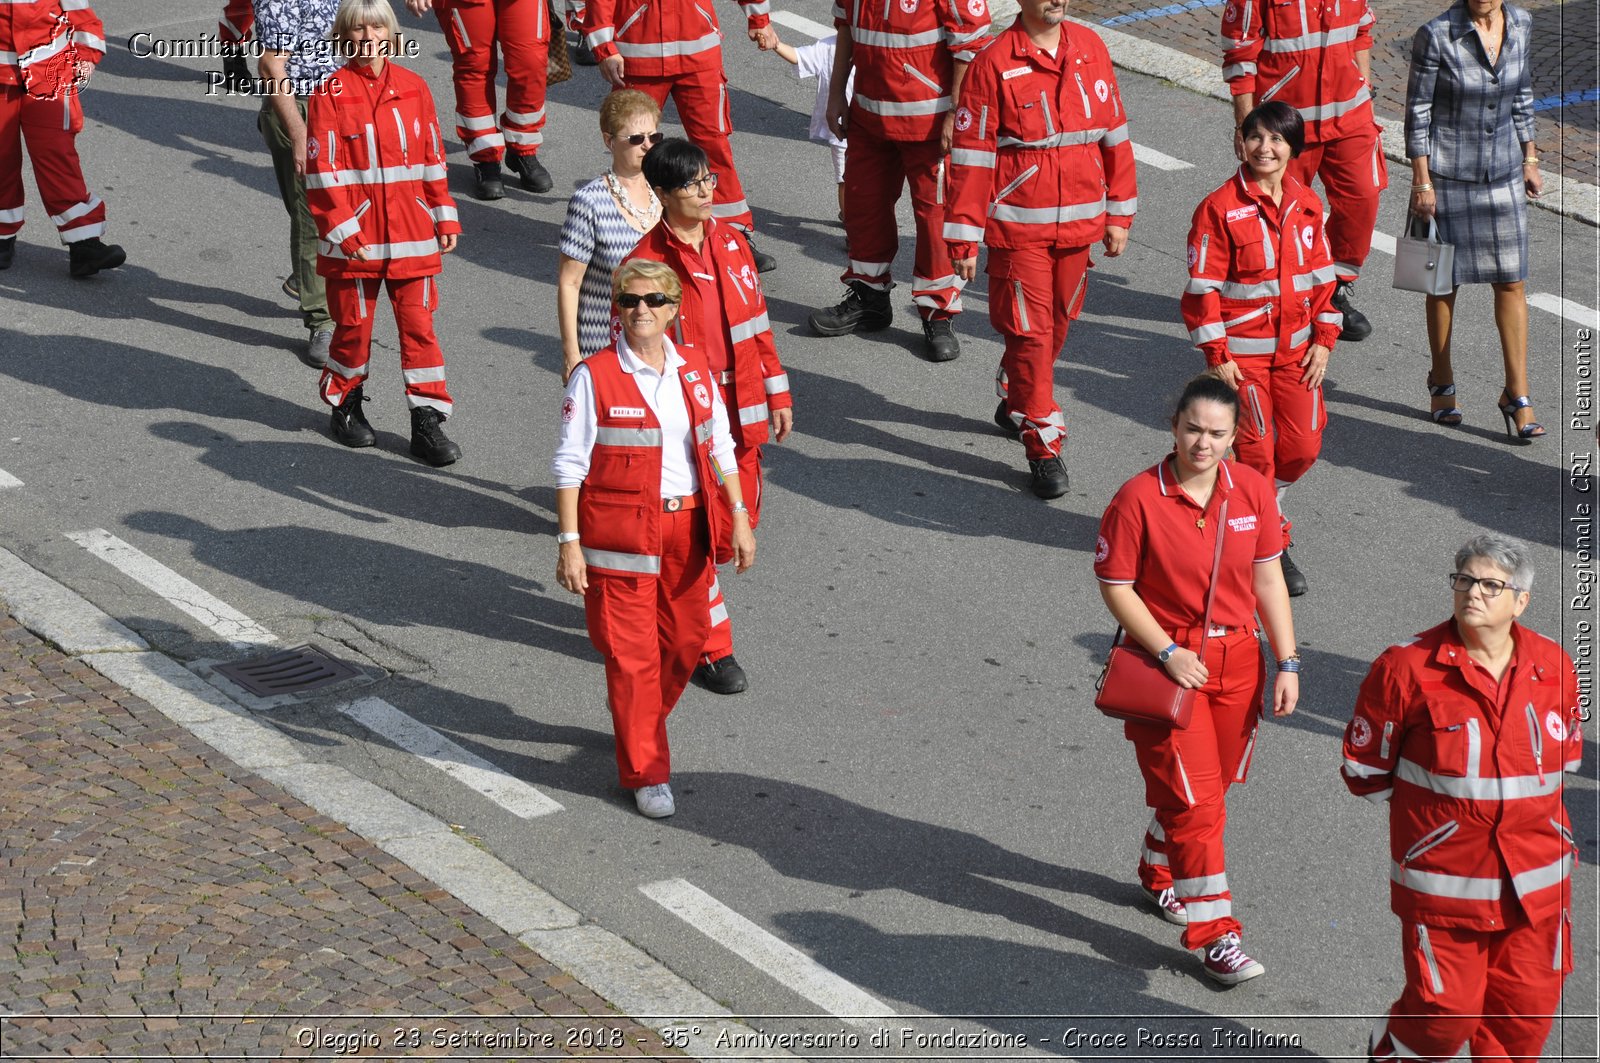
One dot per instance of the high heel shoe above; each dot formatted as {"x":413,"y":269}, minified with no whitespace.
{"x":1447,"y":415}
{"x":1508,"y":409}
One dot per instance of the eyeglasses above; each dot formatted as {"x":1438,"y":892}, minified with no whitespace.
{"x":639,"y":138}
{"x":654,"y":300}
{"x":699,"y":184}
{"x":1462,"y":583}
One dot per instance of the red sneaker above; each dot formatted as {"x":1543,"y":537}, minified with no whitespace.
{"x":1167,"y":905}
{"x":1224,"y":961}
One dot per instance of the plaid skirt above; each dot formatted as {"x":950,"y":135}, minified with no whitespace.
{"x":1487,"y":221}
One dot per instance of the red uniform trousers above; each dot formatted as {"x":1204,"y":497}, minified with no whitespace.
{"x":1035,"y":294}
{"x":1280,"y":422}
{"x":238,"y":22}
{"x":1353,"y":172}
{"x":1493,"y":990}
{"x":521,"y":29}
{"x":719,"y":642}
{"x":51,"y":128}
{"x":1186,"y":778}
{"x":701,"y":97}
{"x":352,"y":303}
{"x":875,"y":170}
{"x":650,"y":631}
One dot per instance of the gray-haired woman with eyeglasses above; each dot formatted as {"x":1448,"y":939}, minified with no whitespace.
{"x":1466,"y":730}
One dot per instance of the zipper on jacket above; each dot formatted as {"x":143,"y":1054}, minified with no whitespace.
{"x":1084,"y":93}
{"x":1251,"y":316}
{"x":1566,"y":835}
{"x":1273,"y":91}
{"x":1253,"y":402}
{"x":635,"y":17}
{"x":1205,"y":245}
{"x":425,"y":208}
{"x":1049,"y":123}
{"x":400,"y":127}
{"x":1427,"y":955}
{"x":1383,"y":747}
{"x":1016,"y":183}
{"x":920,"y":76}
{"x":736,"y":285}
{"x":709,"y":20}
{"x":1431,"y":840}
{"x":333,"y":150}
{"x":1536,"y":739}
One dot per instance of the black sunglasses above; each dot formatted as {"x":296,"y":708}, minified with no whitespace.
{"x":639,"y":138}
{"x":654,"y":300}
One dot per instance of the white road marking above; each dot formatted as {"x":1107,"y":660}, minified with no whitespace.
{"x":1383,"y":242}
{"x":510,"y":793}
{"x":803,"y":24}
{"x":1563,"y":307}
{"x":1152,"y":157}
{"x":183,"y":594}
{"x":776,"y":958}
{"x":7,"y":480}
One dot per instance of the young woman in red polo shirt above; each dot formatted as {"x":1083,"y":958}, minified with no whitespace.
{"x":1153,"y":560}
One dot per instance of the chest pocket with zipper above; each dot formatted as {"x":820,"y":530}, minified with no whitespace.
{"x":1249,"y":245}
{"x":1456,"y":740}
{"x":1028,"y":110}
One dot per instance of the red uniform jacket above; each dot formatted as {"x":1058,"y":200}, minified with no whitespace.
{"x":619,"y":503}
{"x":662,"y":38}
{"x":375,"y":174}
{"x":41,"y":39}
{"x":1260,"y":276}
{"x":904,"y":53}
{"x":1040,"y":156}
{"x":759,"y":384}
{"x":1474,"y":781}
{"x":1302,"y":52}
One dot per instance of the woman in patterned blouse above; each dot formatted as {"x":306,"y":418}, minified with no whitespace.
{"x":605,"y":219}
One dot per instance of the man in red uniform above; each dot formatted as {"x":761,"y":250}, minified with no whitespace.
{"x":521,"y":30}
{"x":1041,"y":167}
{"x":724,"y":317}
{"x":1466,"y":730}
{"x":48,"y":50}
{"x":1315,"y":55}
{"x":674,"y":47}
{"x":909,"y":58}
{"x":233,"y":30}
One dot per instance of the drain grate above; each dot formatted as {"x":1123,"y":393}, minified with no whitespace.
{"x":287,"y":672}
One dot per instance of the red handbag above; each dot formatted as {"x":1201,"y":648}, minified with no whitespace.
{"x":1134,"y":686}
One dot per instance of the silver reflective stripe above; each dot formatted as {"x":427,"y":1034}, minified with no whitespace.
{"x":1304,"y":282}
{"x":893,"y":108}
{"x":1016,"y":183}
{"x":1187,"y":792}
{"x":1153,"y":858}
{"x":1235,"y":70}
{"x":880,"y":39}
{"x":1205,"y":245}
{"x":1251,"y":316}
{"x":1060,"y":140}
{"x":666,"y":48}
{"x":461,"y":28}
{"x":1357,"y":770}
{"x":603,"y":35}
{"x":432,"y":375}
{"x":1044,"y":105}
{"x":382,"y":175}
{"x":1155,"y":831}
{"x":1273,"y":91}
{"x":1435,"y":837}
{"x":750,"y":329}
{"x":1232,"y":290}
{"x":1200,"y":887}
{"x":961,"y":233}
{"x":1204,"y":911}
{"x":1022,"y":306}
{"x":628,"y":437}
{"x":475,"y":124}
{"x":1507,"y":788}
{"x":1115,"y":136}
{"x":1266,"y":244}
{"x":1334,"y":110}
{"x":1206,"y":333}
{"x":777,"y":385}
{"x":1388,"y":732}
{"x":1427,"y":955}
{"x":1309,"y":41}
{"x":702,"y":433}
{"x":1542,"y":877}
{"x":1475,"y":749}
{"x":644,"y":564}
{"x":970,"y":157}
{"x":1244,"y":761}
{"x":1300,"y":336}
{"x":1435,"y":884}
{"x":920,"y":76}
{"x":407,"y":249}
{"x":1122,"y":208}
{"x":1249,"y":346}
{"x":1048,"y":215}
{"x":753,"y":414}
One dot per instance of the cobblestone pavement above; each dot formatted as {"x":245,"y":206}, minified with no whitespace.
{"x":1566,"y":69}
{"x":146,"y":877}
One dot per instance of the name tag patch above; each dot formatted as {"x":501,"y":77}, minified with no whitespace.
{"x":628,"y":411}
{"x":1241,"y":213}
{"x":1016,"y":72}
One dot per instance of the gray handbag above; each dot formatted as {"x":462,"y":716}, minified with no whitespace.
{"x":1424,"y":263}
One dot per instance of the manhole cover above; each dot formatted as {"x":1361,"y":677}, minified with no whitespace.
{"x":288,"y":672}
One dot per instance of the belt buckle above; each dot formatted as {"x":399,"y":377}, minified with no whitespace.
{"x":674,"y":504}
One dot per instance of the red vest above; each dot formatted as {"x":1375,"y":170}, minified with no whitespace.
{"x":619,"y":504}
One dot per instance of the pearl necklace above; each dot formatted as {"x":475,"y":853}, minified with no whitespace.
{"x":648,"y":215}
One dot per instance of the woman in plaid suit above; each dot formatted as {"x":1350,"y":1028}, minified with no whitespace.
{"x":1469,"y":134}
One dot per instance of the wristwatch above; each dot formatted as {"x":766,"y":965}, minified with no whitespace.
{"x":1166,"y":655}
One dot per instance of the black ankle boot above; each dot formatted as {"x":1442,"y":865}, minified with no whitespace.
{"x":488,"y":180}
{"x":88,"y":257}
{"x":428,"y":440}
{"x":348,"y":424}
{"x":863,"y":309}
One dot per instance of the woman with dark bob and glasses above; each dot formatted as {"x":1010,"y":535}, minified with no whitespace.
{"x":644,"y":448}
{"x":1466,"y":731}
{"x":724,"y":317}
{"x":1259,"y":303}
{"x":1154,"y":557}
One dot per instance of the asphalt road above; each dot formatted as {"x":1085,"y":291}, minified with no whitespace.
{"x":916,"y":792}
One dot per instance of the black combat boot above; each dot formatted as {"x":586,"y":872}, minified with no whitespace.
{"x":348,"y":424}
{"x":939,"y":343}
{"x":534,"y":177}
{"x":863,"y":309}
{"x":1356,"y":326}
{"x":1049,"y":477}
{"x":88,"y":257}
{"x":428,"y":440}
{"x":489,"y":181}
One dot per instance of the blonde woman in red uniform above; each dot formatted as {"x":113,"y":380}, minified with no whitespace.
{"x":1153,"y":560}
{"x":375,"y":184}
{"x":1259,"y":303}
{"x":644,"y":447}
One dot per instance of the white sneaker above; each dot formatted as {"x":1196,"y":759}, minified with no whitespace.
{"x":655,"y":801}
{"x":1224,"y":961}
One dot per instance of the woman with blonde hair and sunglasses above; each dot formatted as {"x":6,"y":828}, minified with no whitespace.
{"x":644,"y":447}
{"x":605,"y":219}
